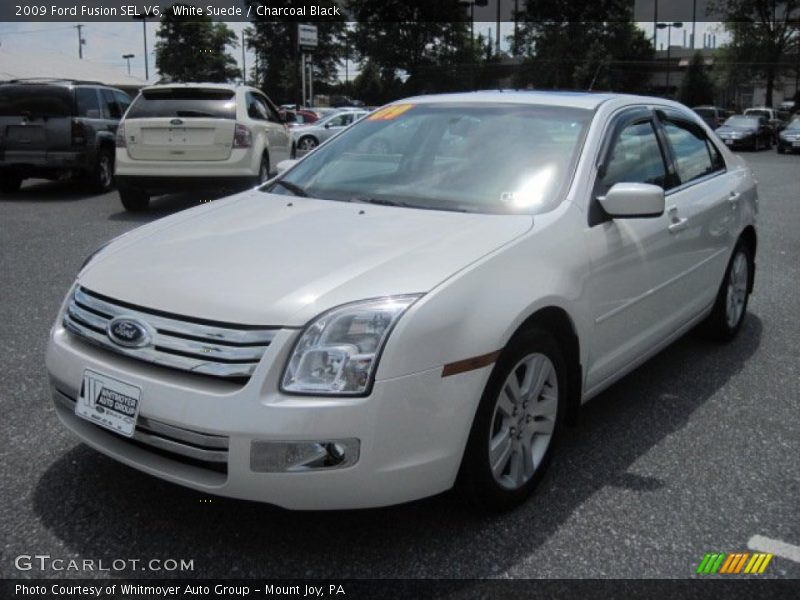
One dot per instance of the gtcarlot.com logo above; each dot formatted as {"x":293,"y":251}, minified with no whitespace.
{"x":737,"y":563}
{"x":45,"y":562}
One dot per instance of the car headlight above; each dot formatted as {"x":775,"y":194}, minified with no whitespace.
{"x":338,"y":353}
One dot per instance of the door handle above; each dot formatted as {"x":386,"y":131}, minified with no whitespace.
{"x":733,"y":199}
{"x":678,"y":225}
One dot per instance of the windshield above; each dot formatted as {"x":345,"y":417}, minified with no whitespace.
{"x":740,"y":121}
{"x":492,"y":158}
{"x":34,"y":100}
{"x":184,"y":102}
{"x":794,"y":124}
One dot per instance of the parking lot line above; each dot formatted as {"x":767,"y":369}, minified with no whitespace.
{"x":776,"y":547}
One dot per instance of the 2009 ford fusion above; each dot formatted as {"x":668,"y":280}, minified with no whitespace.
{"x":423,"y":301}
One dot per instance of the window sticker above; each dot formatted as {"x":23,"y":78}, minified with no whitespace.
{"x":390,"y":112}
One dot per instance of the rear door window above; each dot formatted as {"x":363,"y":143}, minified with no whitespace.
{"x":184,"y":102}
{"x":110,"y":106}
{"x":695,"y":156}
{"x":123,"y":100}
{"x":35,"y":100}
{"x":87,"y":103}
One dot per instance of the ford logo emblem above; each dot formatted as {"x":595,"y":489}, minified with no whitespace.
{"x":176,"y":122}
{"x":128,"y":332}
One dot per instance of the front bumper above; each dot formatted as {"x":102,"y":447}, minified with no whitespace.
{"x":789,"y":145}
{"x":412,"y":429}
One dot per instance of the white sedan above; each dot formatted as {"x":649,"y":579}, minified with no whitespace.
{"x":373,"y":327}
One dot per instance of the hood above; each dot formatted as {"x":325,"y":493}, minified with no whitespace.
{"x":732,"y":129}
{"x":263,"y":259}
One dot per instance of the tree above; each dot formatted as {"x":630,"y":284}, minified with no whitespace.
{"x":194,"y":48}
{"x":582,"y":45}
{"x":762,"y":32}
{"x":425,"y":44}
{"x":275,"y":44}
{"x":697,"y":87}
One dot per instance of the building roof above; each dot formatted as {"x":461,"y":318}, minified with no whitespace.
{"x":29,"y":66}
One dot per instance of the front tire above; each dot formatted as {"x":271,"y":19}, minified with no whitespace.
{"x":263,"y":170}
{"x":730,"y":307}
{"x":519,"y":419}
{"x":134,"y":199}
{"x":307,"y":144}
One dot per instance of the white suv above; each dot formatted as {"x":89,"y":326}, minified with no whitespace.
{"x":195,"y":135}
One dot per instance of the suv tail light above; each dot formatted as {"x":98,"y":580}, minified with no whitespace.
{"x":120,"y":140}
{"x":78,"y":133}
{"x":242,"y":138}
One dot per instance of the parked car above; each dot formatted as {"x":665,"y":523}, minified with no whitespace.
{"x":714,"y":116}
{"x":746,"y":131}
{"x":789,"y":138}
{"x":788,"y":106}
{"x":52,"y":129}
{"x":178,"y":136}
{"x":367,"y":329}
{"x":293,"y":118}
{"x":776,"y":119}
{"x":308,"y":137}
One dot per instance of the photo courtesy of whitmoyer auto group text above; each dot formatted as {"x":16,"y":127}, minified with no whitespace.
{"x":400,"y":299}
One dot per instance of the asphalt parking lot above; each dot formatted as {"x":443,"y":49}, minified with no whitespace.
{"x":697,"y":451}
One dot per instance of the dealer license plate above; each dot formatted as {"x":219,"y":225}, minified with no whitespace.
{"x":109,"y":403}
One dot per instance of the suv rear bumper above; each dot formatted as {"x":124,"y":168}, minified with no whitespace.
{"x":29,"y":163}
{"x":165,"y":185}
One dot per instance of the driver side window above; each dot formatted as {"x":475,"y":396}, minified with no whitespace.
{"x":636,"y":157}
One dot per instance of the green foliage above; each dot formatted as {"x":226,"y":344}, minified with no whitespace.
{"x":762,"y":32}
{"x":589,"y":45}
{"x":416,"y":47}
{"x":275,"y":44}
{"x":697,"y":88}
{"x":195,"y":49}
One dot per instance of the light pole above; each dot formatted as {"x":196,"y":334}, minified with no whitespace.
{"x":143,"y":19}
{"x":669,"y":27}
{"x":128,"y":58}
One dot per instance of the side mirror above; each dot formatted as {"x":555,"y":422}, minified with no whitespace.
{"x":327,"y":125}
{"x":633,"y":200}
{"x":285,"y":165}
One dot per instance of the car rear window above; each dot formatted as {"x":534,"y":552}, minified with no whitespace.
{"x":35,"y":100}
{"x":705,"y":112}
{"x":184,"y":102}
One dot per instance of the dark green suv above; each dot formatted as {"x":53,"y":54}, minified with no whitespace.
{"x":52,"y":129}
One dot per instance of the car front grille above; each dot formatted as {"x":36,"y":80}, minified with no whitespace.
{"x":225,"y":351}
{"x":204,"y":450}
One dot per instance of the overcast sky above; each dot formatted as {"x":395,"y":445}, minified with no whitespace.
{"x":107,"y":42}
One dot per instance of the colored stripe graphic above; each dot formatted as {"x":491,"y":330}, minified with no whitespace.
{"x":738,"y":562}
{"x":728,"y":563}
{"x":765,"y":563}
{"x":703,"y":563}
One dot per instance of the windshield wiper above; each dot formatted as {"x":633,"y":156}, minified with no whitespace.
{"x":292,"y":187}
{"x":391,"y":202}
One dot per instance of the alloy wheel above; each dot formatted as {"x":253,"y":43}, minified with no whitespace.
{"x":737,"y":289}
{"x":523,"y":422}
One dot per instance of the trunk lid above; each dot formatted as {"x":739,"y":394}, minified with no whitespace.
{"x":181,"y":124}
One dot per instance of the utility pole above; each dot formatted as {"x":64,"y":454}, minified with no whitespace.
{"x":143,"y":18}
{"x":81,"y":41}
{"x":694,"y":20}
{"x":497,"y":33}
{"x":128,"y":58}
{"x":244,"y":62}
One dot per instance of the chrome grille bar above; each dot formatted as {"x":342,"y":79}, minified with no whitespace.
{"x":226,"y":352}
{"x":177,"y":440}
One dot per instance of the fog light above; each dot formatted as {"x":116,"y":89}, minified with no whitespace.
{"x":293,"y":457}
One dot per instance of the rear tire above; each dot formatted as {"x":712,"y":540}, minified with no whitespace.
{"x":263,"y":170}
{"x":10,"y":183}
{"x":101,"y":178}
{"x":730,"y":307}
{"x":517,"y":424}
{"x":134,"y":199}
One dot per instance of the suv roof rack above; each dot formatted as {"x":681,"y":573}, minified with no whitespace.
{"x":52,"y":80}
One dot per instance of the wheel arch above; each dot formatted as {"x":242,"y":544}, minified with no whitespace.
{"x":749,"y":237}
{"x":557,"y":321}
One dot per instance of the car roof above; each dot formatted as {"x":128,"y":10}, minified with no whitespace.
{"x":573,"y":99}
{"x":196,"y":84}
